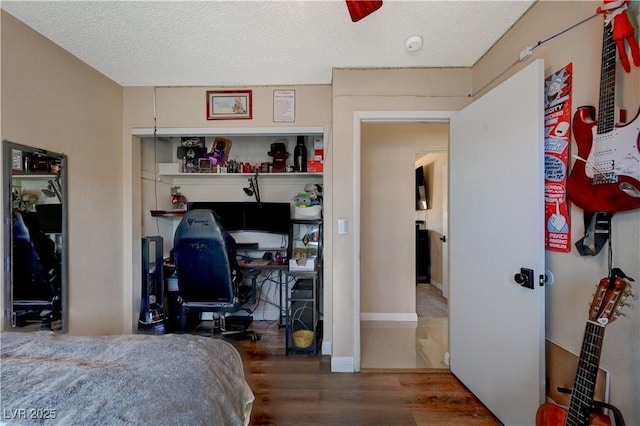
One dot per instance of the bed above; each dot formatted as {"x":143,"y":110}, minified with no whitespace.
{"x":133,"y":379}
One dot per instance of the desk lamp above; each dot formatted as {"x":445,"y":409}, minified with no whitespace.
{"x":253,"y":189}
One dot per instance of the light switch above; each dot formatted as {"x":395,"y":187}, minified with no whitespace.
{"x":343,"y":226}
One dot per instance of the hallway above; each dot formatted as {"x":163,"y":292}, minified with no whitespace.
{"x":409,"y":345}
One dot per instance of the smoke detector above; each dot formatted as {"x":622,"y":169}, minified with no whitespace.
{"x":413,"y":43}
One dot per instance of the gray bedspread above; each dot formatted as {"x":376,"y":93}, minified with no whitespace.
{"x":111,"y":380}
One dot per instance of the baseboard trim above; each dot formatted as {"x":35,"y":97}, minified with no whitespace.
{"x":436,"y":285}
{"x":326,"y":347}
{"x":383,"y":316}
{"x":342,"y":364}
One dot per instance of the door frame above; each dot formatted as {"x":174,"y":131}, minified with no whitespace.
{"x":360,"y":117}
{"x":445,"y":230}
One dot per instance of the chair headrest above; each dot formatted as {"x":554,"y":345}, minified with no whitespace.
{"x":198,"y":223}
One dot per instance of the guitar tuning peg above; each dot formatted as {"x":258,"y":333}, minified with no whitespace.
{"x":618,"y":311}
{"x":629,"y":305}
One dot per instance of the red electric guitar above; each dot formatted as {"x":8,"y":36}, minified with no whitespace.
{"x":606,"y":174}
{"x":606,"y":307}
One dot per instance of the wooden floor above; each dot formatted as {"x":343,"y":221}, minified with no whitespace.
{"x":301,"y":390}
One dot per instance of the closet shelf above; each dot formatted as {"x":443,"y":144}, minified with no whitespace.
{"x":231,"y":175}
{"x":167,"y":213}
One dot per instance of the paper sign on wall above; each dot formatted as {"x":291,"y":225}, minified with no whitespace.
{"x":557,"y":141}
{"x":284,"y":106}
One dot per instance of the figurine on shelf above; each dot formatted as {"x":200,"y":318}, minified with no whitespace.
{"x":177,"y":199}
{"x":23,"y":201}
{"x":220,"y":150}
{"x":315,"y":193}
{"x":302,"y":199}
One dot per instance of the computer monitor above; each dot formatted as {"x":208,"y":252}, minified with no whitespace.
{"x":249,"y":216}
{"x":229,"y":214}
{"x":50,"y":218}
{"x":268,"y":217}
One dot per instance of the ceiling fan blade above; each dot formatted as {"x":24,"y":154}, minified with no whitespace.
{"x":359,"y":9}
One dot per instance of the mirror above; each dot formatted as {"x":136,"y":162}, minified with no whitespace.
{"x":35,"y":238}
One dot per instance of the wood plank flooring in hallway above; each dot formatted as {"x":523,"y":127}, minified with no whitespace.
{"x":301,"y":390}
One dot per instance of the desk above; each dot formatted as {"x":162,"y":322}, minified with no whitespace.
{"x":250,"y":270}
{"x":254,"y":268}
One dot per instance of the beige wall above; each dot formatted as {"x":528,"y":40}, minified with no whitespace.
{"x":387,"y":232}
{"x":374,"y":90}
{"x":53,"y":101}
{"x":79,"y":112}
{"x":185,"y":108}
{"x":576,"y":276}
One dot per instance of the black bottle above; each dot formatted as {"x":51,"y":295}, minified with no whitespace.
{"x":300,"y":156}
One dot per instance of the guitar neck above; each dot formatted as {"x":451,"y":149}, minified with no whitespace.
{"x":585,"y":382}
{"x":606,"y":105}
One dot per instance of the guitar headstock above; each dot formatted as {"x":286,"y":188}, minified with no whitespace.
{"x":611,"y":293}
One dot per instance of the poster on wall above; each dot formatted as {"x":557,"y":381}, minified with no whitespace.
{"x":284,"y":106}
{"x":557,"y":141}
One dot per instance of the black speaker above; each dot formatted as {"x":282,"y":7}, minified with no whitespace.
{"x":423,"y":257}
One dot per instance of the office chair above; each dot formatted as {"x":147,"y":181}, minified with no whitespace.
{"x":205,"y":282}
{"x":36,"y":273}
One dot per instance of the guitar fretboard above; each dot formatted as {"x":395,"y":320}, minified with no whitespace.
{"x":585,"y":382}
{"x":606,"y":105}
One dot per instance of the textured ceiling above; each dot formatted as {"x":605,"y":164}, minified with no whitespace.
{"x":235,"y":43}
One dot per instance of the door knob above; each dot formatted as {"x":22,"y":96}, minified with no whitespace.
{"x":525,"y":278}
{"x":443,"y":238}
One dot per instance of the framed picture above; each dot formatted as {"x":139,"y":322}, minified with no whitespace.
{"x":204,"y":165}
{"x":229,"y":104}
{"x":16,"y":159}
{"x":220,"y":150}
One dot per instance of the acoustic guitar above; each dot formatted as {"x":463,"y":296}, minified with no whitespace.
{"x":607,"y":305}
{"x":606,"y":175}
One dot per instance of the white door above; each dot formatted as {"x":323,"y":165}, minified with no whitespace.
{"x":496,"y":216}
{"x":445,"y":232}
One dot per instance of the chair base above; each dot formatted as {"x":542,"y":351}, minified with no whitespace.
{"x":232,"y":327}
{"x":241,"y":335}
{"x":45,"y":318}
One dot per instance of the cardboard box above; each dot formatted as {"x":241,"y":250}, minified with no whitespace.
{"x":315,"y":166}
{"x":168,"y":168}
{"x":318,"y":148}
{"x":301,"y":264}
{"x":318,"y":142}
